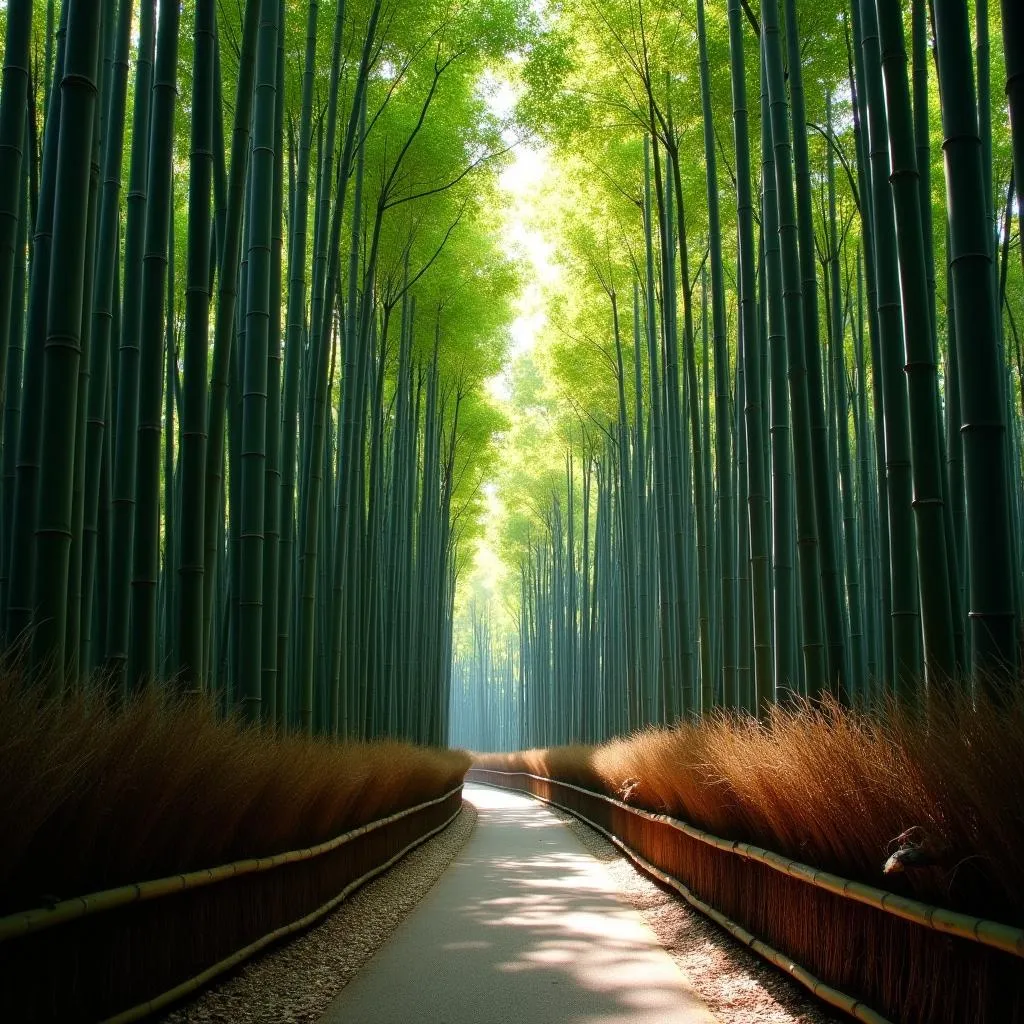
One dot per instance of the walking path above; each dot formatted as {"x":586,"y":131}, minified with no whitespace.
{"x":524,"y":927}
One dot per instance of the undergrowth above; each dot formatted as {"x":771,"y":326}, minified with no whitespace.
{"x":838,"y":789}
{"x":92,"y":798}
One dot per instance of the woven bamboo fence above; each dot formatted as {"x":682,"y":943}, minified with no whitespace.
{"x":122,"y":954}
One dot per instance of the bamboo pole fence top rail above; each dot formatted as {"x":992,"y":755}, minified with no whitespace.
{"x":827,"y":993}
{"x":999,"y":936}
{"x":240,"y":956}
{"x":145,"y":953}
{"x":29,"y":921}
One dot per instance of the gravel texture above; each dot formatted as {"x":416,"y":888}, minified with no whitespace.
{"x":738,"y":986}
{"x":293,"y":983}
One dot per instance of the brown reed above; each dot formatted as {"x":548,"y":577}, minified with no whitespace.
{"x":92,"y":797}
{"x":839,"y":789}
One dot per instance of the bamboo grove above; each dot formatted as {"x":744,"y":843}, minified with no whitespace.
{"x":249,"y":290}
{"x":782,"y":367}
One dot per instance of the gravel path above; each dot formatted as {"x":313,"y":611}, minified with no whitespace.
{"x":738,"y":986}
{"x":294,"y":982}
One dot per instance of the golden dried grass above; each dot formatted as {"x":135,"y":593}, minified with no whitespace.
{"x":835,"y":788}
{"x":92,"y":798}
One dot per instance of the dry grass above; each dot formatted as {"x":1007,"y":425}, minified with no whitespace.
{"x":91,"y":798}
{"x":902,"y":970}
{"x":835,"y":788}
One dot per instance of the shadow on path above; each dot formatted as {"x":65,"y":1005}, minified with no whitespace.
{"x":524,"y":926}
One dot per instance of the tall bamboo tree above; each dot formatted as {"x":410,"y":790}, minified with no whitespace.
{"x":993,"y":616}
{"x":66,"y":309}
{"x":13,"y":119}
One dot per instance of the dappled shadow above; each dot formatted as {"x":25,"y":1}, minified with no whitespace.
{"x":525,"y":926}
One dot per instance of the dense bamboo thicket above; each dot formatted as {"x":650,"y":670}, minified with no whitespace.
{"x":760,"y":483}
{"x":250,"y":286}
{"x":780,"y":395}
{"x":486,"y":706}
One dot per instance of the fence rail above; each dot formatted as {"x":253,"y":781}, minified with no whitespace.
{"x":875,"y":955}
{"x":121,"y":954}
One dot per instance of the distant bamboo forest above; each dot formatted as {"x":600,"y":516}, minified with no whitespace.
{"x":782,"y":381}
{"x":250,"y":292}
{"x":510,"y":373}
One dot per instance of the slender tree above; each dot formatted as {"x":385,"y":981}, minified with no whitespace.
{"x":66,"y":309}
{"x":993,"y":616}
